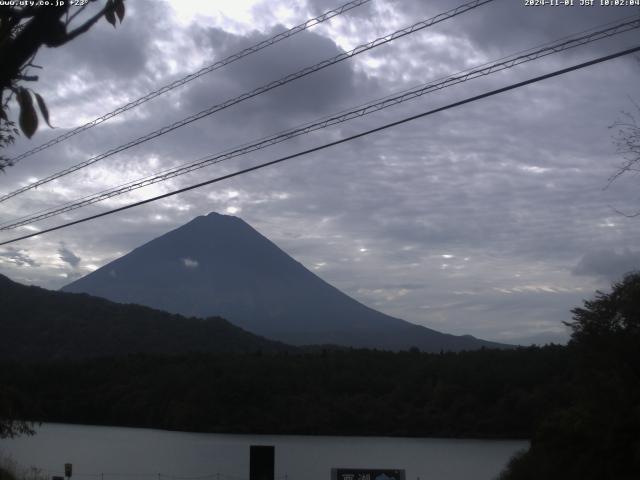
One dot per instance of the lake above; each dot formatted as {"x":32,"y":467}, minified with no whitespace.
{"x":115,"y":453}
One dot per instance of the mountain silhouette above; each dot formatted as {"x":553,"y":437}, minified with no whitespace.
{"x":38,"y":324}
{"x":218,"y":265}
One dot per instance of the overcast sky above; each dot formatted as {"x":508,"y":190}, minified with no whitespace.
{"x":491,"y":219}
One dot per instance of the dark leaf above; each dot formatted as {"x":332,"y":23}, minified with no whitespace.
{"x":43,"y":109}
{"x":109,"y":14}
{"x":3,"y":115}
{"x":28,"y":119}
{"x":119,"y":8}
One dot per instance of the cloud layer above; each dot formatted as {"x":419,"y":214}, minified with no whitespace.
{"x":490,"y":219}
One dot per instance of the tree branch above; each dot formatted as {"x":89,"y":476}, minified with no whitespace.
{"x":78,"y":12}
{"x":42,"y":28}
{"x":87,"y":25}
{"x":628,"y":215}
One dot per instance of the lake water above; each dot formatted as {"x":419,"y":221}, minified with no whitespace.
{"x":114,"y":453}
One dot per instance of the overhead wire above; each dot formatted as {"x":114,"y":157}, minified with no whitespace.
{"x":334,"y":143}
{"x":620,"y":22}
{"x":260,"y":90}
{"x":346,"y":115}
{"x":192,"y":76}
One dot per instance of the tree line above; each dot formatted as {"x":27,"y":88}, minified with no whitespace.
{"x":486,"y":393}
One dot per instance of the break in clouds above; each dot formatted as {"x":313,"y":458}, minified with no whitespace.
{"x":491,"y":219}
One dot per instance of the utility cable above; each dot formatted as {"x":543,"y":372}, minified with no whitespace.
{"x":265,"y":88}
{"x":203,"y":71}
{"x":337,"y":142}
{"x":344,"y":116}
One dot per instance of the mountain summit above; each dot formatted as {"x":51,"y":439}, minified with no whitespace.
{"x":219,"y":265}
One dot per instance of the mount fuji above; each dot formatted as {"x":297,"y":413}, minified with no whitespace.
{"x":218,"y":265}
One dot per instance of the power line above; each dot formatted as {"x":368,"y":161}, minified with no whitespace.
{"x":366,"y":109}
{"x":203,"y":71}
{"x":265,"y":88}
{"x":337,"y":142}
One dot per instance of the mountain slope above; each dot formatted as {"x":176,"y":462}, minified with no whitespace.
{"x":219,"y":265}
{"x":39,"y":324}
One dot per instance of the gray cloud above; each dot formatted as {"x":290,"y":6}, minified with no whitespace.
{"x":309,"y":97}
{"x":67,"y":256}
{"x":609,"y":264}
{"x":190,"y":263}
{"x":18,"y":257}
{"x":512,"y":26}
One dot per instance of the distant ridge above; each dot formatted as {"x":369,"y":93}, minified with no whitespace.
{"x":38,"y":324}
{"x":219,"y":265}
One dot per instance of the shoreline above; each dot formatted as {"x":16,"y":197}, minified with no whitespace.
{"x":38,"y":424}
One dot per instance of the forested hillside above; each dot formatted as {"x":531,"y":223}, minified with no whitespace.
{"x":486,"y":393}
{"x":38,"y":324}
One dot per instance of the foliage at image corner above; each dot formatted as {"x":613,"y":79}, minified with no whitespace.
{"x":7,"y":467}
{"x":5,"y":474}
{"x":23,"y":31}
{"x":598,"y":436}
{"x":12,"y":411}
{"x":11,"y":470}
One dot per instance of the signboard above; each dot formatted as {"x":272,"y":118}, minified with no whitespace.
{"x":367,"y":474}
{"x":261,"y":462}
